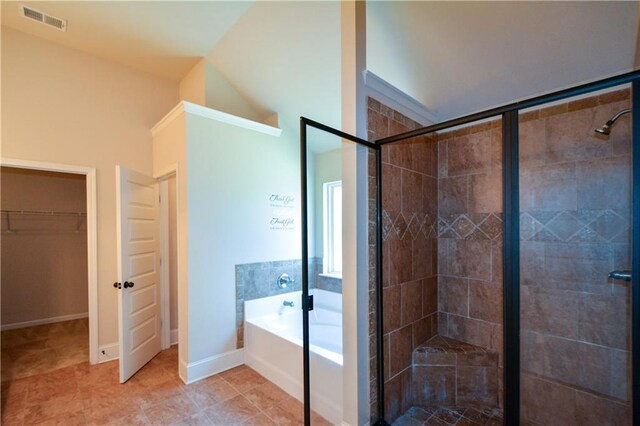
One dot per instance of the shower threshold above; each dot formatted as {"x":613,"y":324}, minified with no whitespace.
{"x":450,"y":416}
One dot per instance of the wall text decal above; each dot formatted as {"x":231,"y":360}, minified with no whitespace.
{"x":282,"y":212}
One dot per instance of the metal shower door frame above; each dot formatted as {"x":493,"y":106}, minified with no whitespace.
{"x":304,"y":123}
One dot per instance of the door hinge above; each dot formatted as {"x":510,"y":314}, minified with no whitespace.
{"x":159,"y":198}
{"x":160,"y":261}
{"x":309,"y":304}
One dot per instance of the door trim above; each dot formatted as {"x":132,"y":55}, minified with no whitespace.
{"x":92,"y":235}
{"x":165,"y":280}
{"x":165,"y":300}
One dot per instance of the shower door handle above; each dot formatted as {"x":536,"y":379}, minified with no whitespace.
{"x":620,"y":275}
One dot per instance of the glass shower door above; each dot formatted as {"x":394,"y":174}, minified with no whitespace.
{"x":575,"y":249}
{"x":338,"y":192}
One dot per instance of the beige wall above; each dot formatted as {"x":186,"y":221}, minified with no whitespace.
{"x":192,"y":87}
{"x":63,"y":106}
{"x":205,"y":85}
{"x":44,"y":261}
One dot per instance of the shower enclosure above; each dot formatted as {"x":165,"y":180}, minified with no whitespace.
{"x":505,"y":246}
{"x":555,"y":174}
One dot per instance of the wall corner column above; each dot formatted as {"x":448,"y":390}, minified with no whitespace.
{"x":355,"y":217}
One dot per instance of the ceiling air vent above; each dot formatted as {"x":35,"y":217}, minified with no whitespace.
{"x":43,"y":18}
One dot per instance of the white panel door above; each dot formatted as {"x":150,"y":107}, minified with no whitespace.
{"x":138,"y":270}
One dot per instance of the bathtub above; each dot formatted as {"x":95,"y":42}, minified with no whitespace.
{"x":273,"y":347}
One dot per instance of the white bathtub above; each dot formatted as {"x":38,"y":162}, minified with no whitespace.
{"x":273,"y":347}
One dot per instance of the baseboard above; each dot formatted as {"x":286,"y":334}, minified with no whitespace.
{"x":108,"y":352}
{"x":43,"y":321}
{"x":173,"y":337}
{"x":204,"y":368}
{"x":182,"y":370}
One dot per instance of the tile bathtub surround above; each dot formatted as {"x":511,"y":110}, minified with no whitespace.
{"x":409,"y":247}
{"x":324,"y":282}
{"x":575,"y":203}
{"x":258,"y":280}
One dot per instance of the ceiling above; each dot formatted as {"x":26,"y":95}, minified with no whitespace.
{"x":281,"y":56}
{"x":461,"y":57}
{"x":163,"y":38}
{"x":286,"y":57}
{"x":454,"y":57}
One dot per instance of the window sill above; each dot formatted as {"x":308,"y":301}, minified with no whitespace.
{"x":336,"y":276}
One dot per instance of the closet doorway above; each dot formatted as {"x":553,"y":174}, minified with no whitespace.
{"x":169,"y":254}
{"x":48,"y":268}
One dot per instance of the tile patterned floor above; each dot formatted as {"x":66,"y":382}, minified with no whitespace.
{"x":40,"y":349}
{"x":91,"y":395}
{"x":416,"y":416}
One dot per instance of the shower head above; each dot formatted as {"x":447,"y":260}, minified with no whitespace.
{"x":605,"y":129}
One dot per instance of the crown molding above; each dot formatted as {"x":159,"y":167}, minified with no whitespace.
{"x":391,"y":96}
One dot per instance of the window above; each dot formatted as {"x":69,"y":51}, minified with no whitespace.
{"x":332,"y":229}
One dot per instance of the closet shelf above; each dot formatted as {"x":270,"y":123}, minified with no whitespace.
{"x":48,"y":213}
{"x":42,"y":213}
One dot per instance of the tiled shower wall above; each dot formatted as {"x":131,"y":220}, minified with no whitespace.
{"x":575,"y":211}
{"x":409,"y":233}
{"x":574,"y":229}
{"x":470,"y":245}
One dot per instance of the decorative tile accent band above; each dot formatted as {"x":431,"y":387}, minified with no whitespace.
{"x":473,"y":226}
{"x":408,"y":226}
{"x":579,"y":226}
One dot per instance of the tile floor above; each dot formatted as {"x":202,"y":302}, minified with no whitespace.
{"x":40,"y":349}
{"x":416,"y":416}
{"x":91,"y":395}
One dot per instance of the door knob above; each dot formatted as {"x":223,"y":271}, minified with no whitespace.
{"x":128,"y":284}
{"x":117,"y":285}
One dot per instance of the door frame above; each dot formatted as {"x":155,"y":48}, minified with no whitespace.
{"x":165,"y":304}
{"x":307,"y":301}
{"x":92,"y":234}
